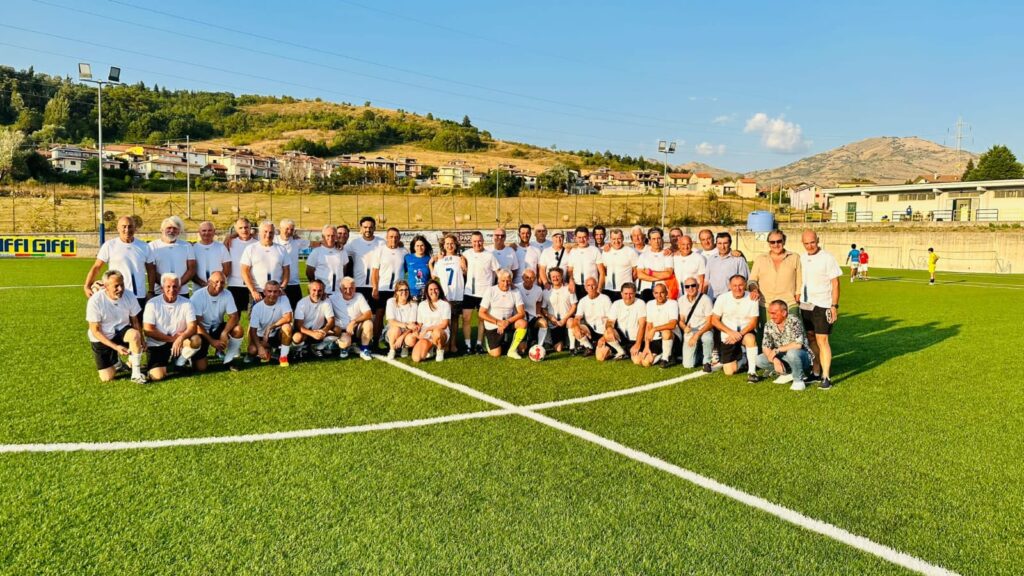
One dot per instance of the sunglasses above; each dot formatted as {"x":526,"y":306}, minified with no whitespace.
{"x":688,"y":286}
{"x":775,"y":241}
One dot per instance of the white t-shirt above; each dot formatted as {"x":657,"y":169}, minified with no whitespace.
{"x":692,"y":266}
{"x":559,"y":301}
{"x":526,"y":259}
{"x":427,"y":317}
{"x":391,"y":265}
{"x":292,"y":248}
{"x":210,"y":258}
{"x":212,"y":309}
{"x":171,"y":257}
{"x":267,"y":263}
{"x":360,"y":252}
{"x":627,"y":317}
{"x":238,"y":247}
{"x":506,"y":258}
{"x":594,"y":311}
{"x":700,"y":315}
{"x":531,"y":298}
{"x":541,"y":246}
{"x":169,"y":318}
{"x":659,"y":315}
{"x":619,"y":266}
{"x":313,"y":315}
{"x":583,"y":262}
{"x":346,"y":310}
{"x":448,"y":270}
{"x":394,"y":312}
{"x":500,"y":304}
{"x":480,"y":271}
{"x":328,"y":265}
{"x":818,"y":272}
{"x":735,"y":312}
{"x":264,"y":315}
{"x":551,"y":258}
{"x":654,"y":261}
{"x":130,"y":260}
{"x":112,"y":315}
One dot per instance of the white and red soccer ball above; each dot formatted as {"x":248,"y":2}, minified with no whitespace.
{"x":537,"y":353}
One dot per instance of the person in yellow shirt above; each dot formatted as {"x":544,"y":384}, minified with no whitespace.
{"x":932,"y":259}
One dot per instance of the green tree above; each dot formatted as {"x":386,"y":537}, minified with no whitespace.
{"x":10,"y":149}
{"x":58,"y":110}
{"x":998,"y":163}
{"x":466,"y":123}
{"x":967,"y":171}
{"x":504,"y":182}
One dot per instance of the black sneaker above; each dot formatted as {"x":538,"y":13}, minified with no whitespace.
{"x":826,"y":384}
{"x":479,"y":349}
{"x":667,"y":363}
{"x":588,"y":352}
{"x":753,"y":378}
{"x":707,"y":368}
{"x":575,"y":351}
{"x":812,"y":377}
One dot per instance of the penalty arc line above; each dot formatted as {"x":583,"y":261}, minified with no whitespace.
{"x":789,"y":515}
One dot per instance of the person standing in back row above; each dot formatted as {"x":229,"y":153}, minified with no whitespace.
{"x":819,"y":304}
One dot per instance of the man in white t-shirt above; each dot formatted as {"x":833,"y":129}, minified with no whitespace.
{"x":559,"y":309}
{"x":170,"y":325}
{"x":172,"y":256}
{"x":581,"y":263}
{"x":503,"y":253}
{"x":639,"y":240}
{"x":353,"y":317}
{"x":327,"y":261}
{"x":504,"y":317}
{"x":361,"y":251}
{"x":617,"y":264}
{"x":314,"y":321}
{"x":533,"y":300}
{"x":662,"y":323}
{"x":218,"y":322}
{"x":236,"y":242}
{"x":591,"y":316}
{"x":527,"y":257}
{"x":624,"y":328}
{"x":653,"y":267}
{"x":735,"y":316}
{"x":265,"y":261}
{"x":270,"y":323}
{"x":695,"y":310}
{"x":541,"y":242}
{"x":552,"y":257}
{"x":293,"y":246}
{"x":130,"y":256}
{"x":481,"y":270}
{"x":819,"y":305}
{"x":114,"y":328}
{"x":211,"y":255}
{"x":686,"y":263}
{"x":388,"y":268}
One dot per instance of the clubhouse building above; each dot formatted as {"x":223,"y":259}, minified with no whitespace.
{"x":980,"y":201}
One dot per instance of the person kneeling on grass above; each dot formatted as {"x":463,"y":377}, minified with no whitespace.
{"x":400,"y":315}
{"x":211,"y":305}
{"x":114,"y":328}
{"x":314,"y":321}
{"x":662,"y":319}
{"x":785,"y":346}
{"x":625,"y":327}
{"x":434,"y":315}
{"x":170,"y":325}
{"x":270,"y":322}
{"x":352,"y":315}
{"x":591,"y":316}
{"x":504,"y":316}
{"x":735,"y":316}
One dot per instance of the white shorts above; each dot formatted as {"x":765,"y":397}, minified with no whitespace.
{"x":853,"y":267}
{"x":428,"y":334}
{"x":863,"y":268}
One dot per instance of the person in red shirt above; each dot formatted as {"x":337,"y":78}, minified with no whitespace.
{"x":862,"y":269}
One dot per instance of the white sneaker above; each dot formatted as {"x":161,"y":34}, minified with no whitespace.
{"x":391,"y":354}
{"x":140,"y":379}
{"x":798,"y":385}
{"x":365,"y":355}
{"x":784,"y":379}
{"x":513,"y":354}
{"x":440,"y":356}
{"x":343,"y":353}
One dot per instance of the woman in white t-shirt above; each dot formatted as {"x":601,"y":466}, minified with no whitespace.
{"x":400,"y":314}
{"x":434,"y":315}
{"x":450,"y":268}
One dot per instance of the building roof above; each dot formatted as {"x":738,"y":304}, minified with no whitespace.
{"x":703,"y":175}
{"x":748,"y":180}
{"x":933,"y":187}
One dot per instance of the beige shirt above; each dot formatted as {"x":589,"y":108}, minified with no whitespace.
{"x":778,"y":282}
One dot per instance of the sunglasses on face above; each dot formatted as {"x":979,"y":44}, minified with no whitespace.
{"x":775,"y":241}
{"x":688,"y":286}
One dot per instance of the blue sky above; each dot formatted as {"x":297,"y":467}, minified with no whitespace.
{"x":745,"y":85}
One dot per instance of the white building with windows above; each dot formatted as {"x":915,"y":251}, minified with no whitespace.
{"x":985,"y":200}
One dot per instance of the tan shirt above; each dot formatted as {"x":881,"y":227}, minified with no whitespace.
{"x":781,"y":282}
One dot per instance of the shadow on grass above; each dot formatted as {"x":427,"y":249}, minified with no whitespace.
{"x":861,"y":343}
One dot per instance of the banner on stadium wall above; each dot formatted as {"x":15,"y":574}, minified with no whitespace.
{"x":37,"y":247}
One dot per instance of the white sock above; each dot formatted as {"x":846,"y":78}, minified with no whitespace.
{"x":186,"y":353}
{"x":617,"y":347}
{"x":136,"y":360}
{"x":751,"y":360}
{"x":572,"y":340}
{"x":542,"y":335}
{"x":586,"y":342}
{"x":467,"y":343}
{"x":666,"y":349}
{"x":284,"y":351}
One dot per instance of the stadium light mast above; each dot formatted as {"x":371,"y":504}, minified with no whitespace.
{"x":113,"y":79}
{"x":666,"y":148}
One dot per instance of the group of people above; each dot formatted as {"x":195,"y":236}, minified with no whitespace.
{"x":858,"y":258}
{"x":654,"y":301}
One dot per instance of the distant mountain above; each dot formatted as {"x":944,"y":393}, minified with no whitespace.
{"x":716,"y":173}
{"x":884,"y":160}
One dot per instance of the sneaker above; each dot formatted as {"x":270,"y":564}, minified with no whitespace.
{"x":440,"y":356}
{"x":283,"y":361}
{"x":391,"y":354}
{"x":249,"y":359}
{"x":667,"y":363}
{"x":514,"y":354}
{"x":753,"y":378}
{"x":618,"y":357}
{"x":343,"y":353}
{"x":784,"y":379}
{"x":365,"y":354}
{"x":119,"y":366}
{"x":707,"y":368}
{"x":714,"y":356}
{"x":140,"y":379}
{"x":576,"y":351}
{"x":812,"y":377}
{"x":798,"y":385}
{"x":479,"y":349}
{"x":663,"y":363}
{"x":317,"y":353}
{"x":405,"y":351}
{"x":826,"y":384}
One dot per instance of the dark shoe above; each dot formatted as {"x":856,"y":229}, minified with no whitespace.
{"x":812,"y":377}
{"x":707,"y":368}
{"x":753,"y":378}
{"x":479,"y":349}
{"x":588,"y":352}
{"x":826,"y":384}
{"x":575,"y":351}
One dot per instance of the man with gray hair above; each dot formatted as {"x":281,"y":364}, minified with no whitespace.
{"x":211,"y":255}
{"x":130,"y":256}
{"x":785,"y":347}
{"x":170,"y":255}
{"x":541,"y":242}
{"x":353,"y":316}
{"x":504,"y":316}
{"x":114,"y":328}
{"x":237,"y":242}
{"x":270,"y":323}
{"x":170,"y":323}
{"x":212,"y":304}
{"x":265,"y":261}
{"x":293,"y":245}
{"x":327,"y":261}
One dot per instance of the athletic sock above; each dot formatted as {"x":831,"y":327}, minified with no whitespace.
{"x":617,"y":347}
{"x":572,"y":340}
{"x":666,"y":349}
{"x":542,"y":335}
{"x":284,"y":351}
{"x":517,"y":337}
{"x":586,"y":342}
{"x":752,"y":360}
{"x":468,"y":346}
{"x":233,"y":349}
{"x":136,"y":360}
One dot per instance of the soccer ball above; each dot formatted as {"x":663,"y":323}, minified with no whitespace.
{"x":537,"y":353}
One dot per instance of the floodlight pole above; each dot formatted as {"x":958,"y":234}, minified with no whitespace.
{"x":99,"y":129}
{"x":666,"y":148}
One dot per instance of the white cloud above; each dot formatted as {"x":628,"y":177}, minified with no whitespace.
{"x":709,"y":149}
{"x":777,"y":134}
{"x":724,"y":119}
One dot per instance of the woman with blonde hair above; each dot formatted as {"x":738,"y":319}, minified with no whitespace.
{"x":400,"y":314}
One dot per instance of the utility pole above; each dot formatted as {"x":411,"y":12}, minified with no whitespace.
{"x":497,"y":196}
{"x":188,"y":177}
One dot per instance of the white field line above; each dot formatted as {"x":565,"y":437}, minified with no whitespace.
{"x":793,"y":517}
{"x":33,"y":287}
{"x":246,"y":438}
{"x":965,"y":284}
{"x":615,"y":393}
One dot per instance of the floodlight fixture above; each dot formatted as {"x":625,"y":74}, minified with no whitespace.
{"x":84,"y":71}
{"x":115,"y":74}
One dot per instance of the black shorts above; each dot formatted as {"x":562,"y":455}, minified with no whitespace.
{"x":294,"y":294}
{"x":656,"y":347}
{"x":559,"y":335}
{"x":647,"y":294}
{"x":730,"y":352}
{"x":159,"y":356}
{"x":816,"y":320}
{"x":471,"y":302}
{"x":106,"y":356}
{"x":382,"y":300}
{"x":594,"y":331}
{"x":456,"y":308}
{"x":581,"y":291}
{"x":613,"y":295}
{"x":495,"y":340}
{"x":240,"y":294}
{"x":204,"y":346}
{"x":374,"y":303}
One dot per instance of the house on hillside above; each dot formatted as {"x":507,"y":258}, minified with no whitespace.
{"x":746,"y":188}
{"x":456,"y":174}
{"x":70,"y":159}
{"x":702,"y":182}
{"x":298,"y":166}
{"x":804,"y":196}
{"x":935,"y":178}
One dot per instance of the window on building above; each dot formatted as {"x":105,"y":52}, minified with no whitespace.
{"x":1009,"y":193}
{"x":882,"y":198}
{"x":911,"y":197}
